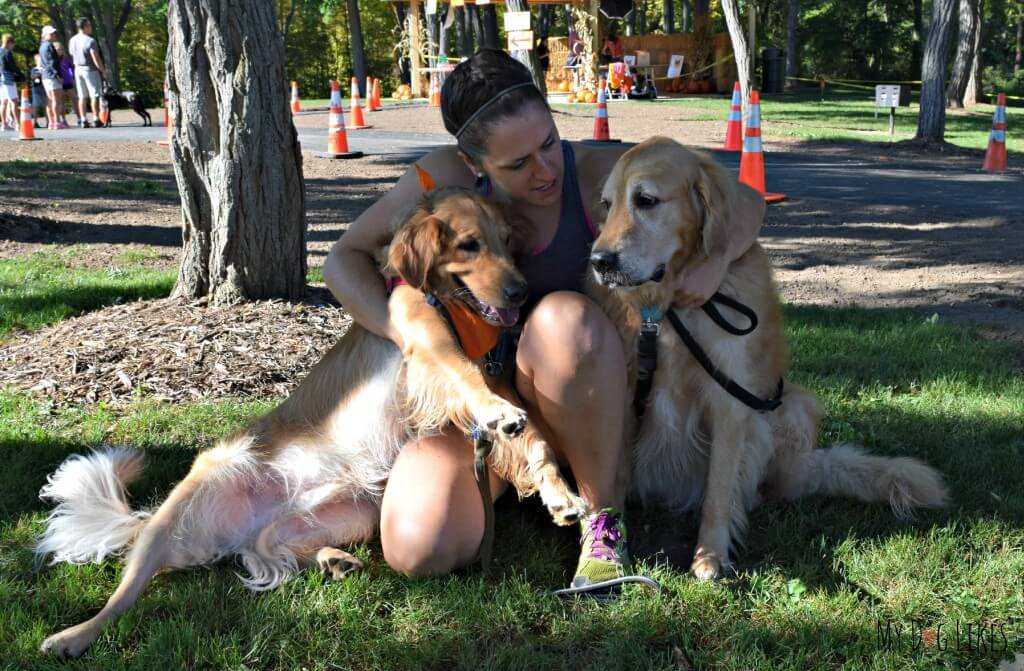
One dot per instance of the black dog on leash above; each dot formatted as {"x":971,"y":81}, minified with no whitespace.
{"x":125,"y":100}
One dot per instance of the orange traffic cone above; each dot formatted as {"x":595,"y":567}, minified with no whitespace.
{"x":752,"y":160}
{"x":734,"y":126}
{"x":371,"y":101}
{"x":337,"y":138}
{"x":104,"y":112}
{"x":27,"y":130}
{"x":995,"y":157}
{"x":167,"y":117}
{"x":601,"y":133}
{"x":435,"y":91}
{"x":358,"y":121}
{"x":296,"y":107}
{"x":377,"y":104}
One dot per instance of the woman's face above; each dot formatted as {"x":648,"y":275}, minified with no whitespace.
{"x":524,"y":157}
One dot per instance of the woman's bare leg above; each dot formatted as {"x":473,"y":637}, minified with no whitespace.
{"x":572,"y":376}
{"x":432,"y":519}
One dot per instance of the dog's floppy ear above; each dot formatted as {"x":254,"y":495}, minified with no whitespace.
{"x":727,"y":206}
{"x":416,"y":248}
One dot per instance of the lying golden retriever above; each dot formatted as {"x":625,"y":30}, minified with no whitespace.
{"x":308,"y":477}
{"x":699,"y":446}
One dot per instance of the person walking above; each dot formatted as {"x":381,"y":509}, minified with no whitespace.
{"x":10,"y":75}
{"x":67,"y":77}
{"x":49,"y":64}
{"x":89,"y":72}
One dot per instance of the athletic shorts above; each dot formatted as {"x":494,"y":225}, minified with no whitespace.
{"x":88,"y":83}
{"x":53,"y":84}
{"x":8,"y":92}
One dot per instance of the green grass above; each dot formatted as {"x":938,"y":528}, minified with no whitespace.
{"x":815,"y":578}
{"x":67,"y":178}
{"x":846,"y":115}
{"x":46,"y":287}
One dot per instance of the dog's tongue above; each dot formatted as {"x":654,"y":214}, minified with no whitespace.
{"x":508,"y":317}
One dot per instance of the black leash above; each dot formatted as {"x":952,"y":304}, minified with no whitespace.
{"x":647,"y":353}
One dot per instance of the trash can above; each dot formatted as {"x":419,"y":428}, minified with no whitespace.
{"x":773,"y":70}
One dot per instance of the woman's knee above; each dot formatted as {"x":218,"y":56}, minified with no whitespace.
{"x":568,"y":326}
{"x":415,"y":549}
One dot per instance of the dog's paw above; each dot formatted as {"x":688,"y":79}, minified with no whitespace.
{"x":336,"y":564}
{"x":70,"y":643}
{"x":708,"y":565}
{"x":568,"y":509}
{"x":501,"y":416}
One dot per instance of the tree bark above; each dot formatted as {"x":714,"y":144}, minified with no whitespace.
{"x":355,"y":29}
{"x":792,"y":57}
{"x":974,"y":80}
{"x":668,"y":17}
{"x":489,"y":20}
{"x":235,"y":152}
{"x":739,"y":49}
{"x":931,"y":122}
{"x":686,"y":18}
{"x":1018,"y":59}
{"x":109,"y":20}
{"x":528,"y":57}
{"x":464,"y":32}
{"x":915,"y":54}
{"x":966,"y":41}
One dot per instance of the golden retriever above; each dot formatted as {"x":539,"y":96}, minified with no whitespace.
{"x":308,"y":476}
{"x":698,"y":446}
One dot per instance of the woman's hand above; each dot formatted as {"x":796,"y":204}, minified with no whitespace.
{"x":699,"y":281}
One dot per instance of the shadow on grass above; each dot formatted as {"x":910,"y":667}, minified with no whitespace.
{"x":27,"y":228}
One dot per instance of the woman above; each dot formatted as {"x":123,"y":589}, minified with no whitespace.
{"x":570,"y":368}
{"x":67,"y":78}
{"x":10,"y":75}
{"x":49,"y":65}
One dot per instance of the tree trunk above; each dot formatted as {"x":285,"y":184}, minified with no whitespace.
{"x":355,"y":29}
{"x":915,"y":54}
{"x":236,"y":155}
{"x":668,"y":17}
{"x":488,"y":17}
{"x":442,"y":37}
{"x":528,"y":57}
{"x":109,"y":20}
{"x":1018,"y":60}
{"x":931,"y":122}
{"x":544,"y":16}
{"x":974,"y":80}
{"x":792,"y":57}
{"x":686,"y":20}
{"x":464,"y":31}
{"x":739,"y":49}
{"x":966,"y":41}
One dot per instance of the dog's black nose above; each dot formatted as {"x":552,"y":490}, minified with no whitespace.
{"x":604,"y":261}
{"x":515,"y":294}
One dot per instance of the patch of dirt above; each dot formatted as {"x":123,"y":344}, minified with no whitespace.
{"x":174,"y":350}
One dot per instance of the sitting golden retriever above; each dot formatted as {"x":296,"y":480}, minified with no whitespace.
{"x":308,"y":477}
{"x":698,"y":445}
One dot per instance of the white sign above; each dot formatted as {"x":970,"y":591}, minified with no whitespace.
{"x":483,"y":2}
{"x":675,"y":66}
{"x":516,"y":21}
{"x":520,"y":40}
{"x":887,"y":95}
{"x":431,"y":7}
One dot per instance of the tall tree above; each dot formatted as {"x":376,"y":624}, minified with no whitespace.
{"x":966,"y":42}
{"x":1018,"y":59}
{"x":686,"y":16}
{"x":236,"y":155}
{"x":974,"y":80}
{"x":528,"y":57}
{"x":916,"y":54}
{"x":109,"y":19}
{"x":463,"y":31}
{"x":739,"y":49}
{"x":668,"y":17}
{"x":792,"y":57}
{"x":355,"y":28}
{"x":489,"y":22}
{"x":931,"y":121}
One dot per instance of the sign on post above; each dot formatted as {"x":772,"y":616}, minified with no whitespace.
{"x":520,"y":40}
{"x":892,"y":96}
{"x":516,"y":21}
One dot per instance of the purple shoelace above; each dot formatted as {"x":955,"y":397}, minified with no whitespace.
{"x":604,"y":529}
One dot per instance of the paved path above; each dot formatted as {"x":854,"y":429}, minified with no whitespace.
{"x":953,"y":193}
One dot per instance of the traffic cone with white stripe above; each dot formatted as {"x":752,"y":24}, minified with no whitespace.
{"x":752,"y":160}
{"x":369,"y":94}
{"x":27,"y":129}
{"x":104,"y":113}
{"x":734,"y":126}
{"x":995,"y":157}
{"x":296,"y":106}
{"x":435,"y":91}
{"x":601,"y":132}
{"x":337,"y":138}
{"x":358,"y":121}
{"x":377,"y":104}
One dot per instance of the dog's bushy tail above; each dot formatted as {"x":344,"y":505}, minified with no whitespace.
{"x":92,"y":519}
{"x":904,"y":483}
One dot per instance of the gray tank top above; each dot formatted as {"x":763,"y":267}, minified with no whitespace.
{"x":562,"y":265}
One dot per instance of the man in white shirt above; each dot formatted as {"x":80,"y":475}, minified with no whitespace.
{"x":89,"y":71}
